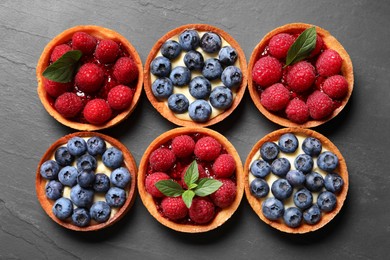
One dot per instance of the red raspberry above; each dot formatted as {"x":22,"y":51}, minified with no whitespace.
{"x":320,"y":105}
{"x":207,"y":148}
{"x":224,"y":166}
{"x":202,"y":174}
{"x":279,"y":45}
{"x":174,"y":208}
{"x":84,"y":42}
{"x":183,"y":146}
{"x":275,"y":97}
{"x":58,"y":51}
{"x":335,"y":87}
{"x":267,"y":71}
{"x":329,"y":63}
{"x":106,"y":51}
{"x":225,"y":195}
{"x":201,"y":210}
{"x":55,"y":89}
{"x":150,"y":182}
{"x":297,"y":111}
{"x":301,"y":76}
{"x":68,"y":105}
{"x":318,"y":47}
{"x":162,"y":159}
{"x":120,"y":97}
{"x":89,"y":78}
{"x":125,"y":71}
{"x":97,"y":111}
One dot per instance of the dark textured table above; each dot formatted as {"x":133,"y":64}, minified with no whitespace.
{"x":360,"y":231}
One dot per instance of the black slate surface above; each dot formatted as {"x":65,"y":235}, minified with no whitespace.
{"x":360,"y":231}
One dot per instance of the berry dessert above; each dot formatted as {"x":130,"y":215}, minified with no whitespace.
{"x":86,"y":181}
{"x":89,"y":78}
{"x":296,"y":180}
{"x":299,"y":75}
{"x":195,"y":75}
{"x":191,"y":179}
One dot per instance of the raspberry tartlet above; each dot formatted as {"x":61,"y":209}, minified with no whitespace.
{"x":299,"y":75}
{"x":89,"y":77}
{"x":86,"y":181}
{"x":296,"y":180}
{"x":195,"y":75}
{"x":191,"y":179}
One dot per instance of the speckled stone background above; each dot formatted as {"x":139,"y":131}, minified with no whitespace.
{"x":360,"y":231}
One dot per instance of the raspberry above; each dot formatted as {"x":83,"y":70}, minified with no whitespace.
{"x":125,"y":71}
{"x":58,"y":51}
{"x":106,"y":51}
{"x":225,"y":195}
{"x":120,"y":97}
{"x":97,"y":111}
{"x":89,"y":78}
{"x":150,"y":182}
{"x":183,"y":146}
{"x":207,"y":148}
{"x":335,"y":87}
{"x":320,"y":105}
{"x":318,"y":47}
{"x":297,"y":111}
{"x":279,"y":45}
{"x":301,"y":76}
{"x":275,"y":97}
{"x":329,"y":63}
{"x":55,"y":89}
{"x":84,"y":42}
{"x":202,"y":174}
{"x":201,"y":210}
{"x":224,"y":166}
{"x":68,"y":105}
{"x":267,"y":71}
{"x":162,"y":159}
{"x":174,"y":208}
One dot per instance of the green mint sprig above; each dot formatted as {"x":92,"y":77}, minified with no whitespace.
{"x":63,"y":69}
{"x":302,"y":47}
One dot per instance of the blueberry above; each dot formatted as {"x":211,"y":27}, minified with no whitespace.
{"x":81,"y":217}
{"x":260,"y":168}
{"x":272,"y":208}
{"x":314,"y":181}
{"x":199,"y":110}
{"x":54,"y":189}
{"x":180,"y":76}
{"x":62,"y":208}
{"x":81,"y":197}
{"x":292,"y":217}
{"x":162,"y":88}
{"x":86,"y":162}
{"x":231,"y":77}
{"x":227,"y":55}
{"x":327,"y":161}
{"x":189,"y":40}
{"x":76,"y":146}
{"x":304,"y":163}
{"x":194,"y":60}
{"x":312,"y":215}
{"x":333,"y":182}
{"x":112,"y":158}
{"x":280,"y":167}
{"x":100,"y":211}
{"x":63,"y":157}
{"x":212,"y":69}
{"x":210,"y":42}
{"x":102,"y":183}
{"x":259,"y":188}
{"x":221,"y":97}
{"x":115,"y":197}
{"x":86,"y":178}
{"x":326,"y":201}
{"x":200,"y":87}
{"x":312,"y":146}
{"x":160,"y":67}
{"x":178,"y":103}
{"x":269,"y":151}
{"x":281,"y":189}
{"x":96,"y":145}
{"x":295,"y":178}
{"x":303,"y":198}
{"x":170,"y":49}
{"x":68,"y":176}
{"x":120,"y":177}
{"x":288,"y":143}
{"x":49,"y":170}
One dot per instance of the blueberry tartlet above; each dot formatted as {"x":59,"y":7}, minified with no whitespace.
{"x":296,"y":180}
{"x":195,"y":75}
{"x":191,"y":179}
{"x":89,"y":77}
{"x":86,"y":181}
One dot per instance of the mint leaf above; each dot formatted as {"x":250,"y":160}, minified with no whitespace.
{"x":302,"y":47}
{"x":187,"y":197}
{"x":63,"y":69}
{"x":207,"y":186}
{"x":169,"y":188}
{"x":192,"y":186}
{"x":192,"y":174}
